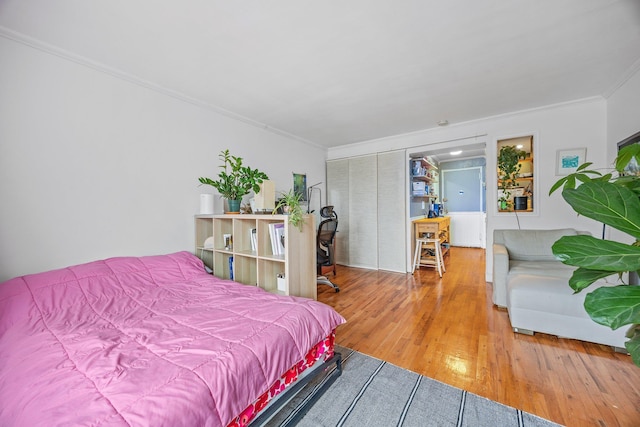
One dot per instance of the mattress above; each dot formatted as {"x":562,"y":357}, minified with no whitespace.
{"x":147,"y":341}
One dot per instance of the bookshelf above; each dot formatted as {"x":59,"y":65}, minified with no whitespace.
{"x":255,"y":263}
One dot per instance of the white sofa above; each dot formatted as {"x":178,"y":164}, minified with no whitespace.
{"x":534,"y":287}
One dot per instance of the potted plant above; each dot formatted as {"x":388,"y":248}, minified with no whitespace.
{"x":614,"y":201}
{"x":235,"y":180}
{"x":508,"y":168}
{"x":289,"y":204}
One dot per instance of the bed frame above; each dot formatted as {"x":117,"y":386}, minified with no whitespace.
{"x":277,"y":404}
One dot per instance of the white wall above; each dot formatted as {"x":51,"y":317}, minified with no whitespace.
{"x":578,"y":124}
{"x":93,"y":165}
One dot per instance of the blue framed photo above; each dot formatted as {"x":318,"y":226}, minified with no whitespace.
{"x":567,"y":161}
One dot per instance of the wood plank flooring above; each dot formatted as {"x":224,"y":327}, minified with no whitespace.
{"x":448,"y":329}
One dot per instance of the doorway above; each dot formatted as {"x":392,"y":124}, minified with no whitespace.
{"x":464,"y":191}
{"x":460,"y":154}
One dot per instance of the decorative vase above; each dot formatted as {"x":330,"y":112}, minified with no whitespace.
{"x":233,"y":205}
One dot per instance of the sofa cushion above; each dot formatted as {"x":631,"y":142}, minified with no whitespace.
{"x":549,"y":305}
{"x":545,"y":293}
{"x":542,"y":269}
{"x":533,"y":245}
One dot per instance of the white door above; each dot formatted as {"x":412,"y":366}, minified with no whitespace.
{"x":338,"y":197}
{"x":363,"y":212}
{"x":391,"y":211}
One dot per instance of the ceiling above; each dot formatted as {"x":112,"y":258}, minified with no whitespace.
{"x":334,"y":72}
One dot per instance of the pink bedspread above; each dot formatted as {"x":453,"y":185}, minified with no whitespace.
{"x":145,"y":341}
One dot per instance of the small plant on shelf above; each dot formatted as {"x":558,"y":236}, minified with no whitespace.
{"x":235,"y":180}
{"x":289,"y":203}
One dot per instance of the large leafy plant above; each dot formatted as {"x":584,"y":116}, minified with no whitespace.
{"x":613,"y":199}
{"x":235,"y":180}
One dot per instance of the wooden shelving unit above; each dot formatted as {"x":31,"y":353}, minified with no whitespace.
{"x":260,"y":267}
{"x":524,"y":185}
{"x":525,"y":181}
{"x":423,"y":173}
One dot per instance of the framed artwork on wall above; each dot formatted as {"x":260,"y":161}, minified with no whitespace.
{"x":300,"y":185}
{"x":567,"y":161}
{"x":633,"y":168}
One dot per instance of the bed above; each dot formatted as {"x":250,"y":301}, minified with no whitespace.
{"x":150,"y":341}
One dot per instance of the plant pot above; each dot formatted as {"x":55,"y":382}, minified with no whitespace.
{"x":520,"y":203}
{"x":233,"y":206}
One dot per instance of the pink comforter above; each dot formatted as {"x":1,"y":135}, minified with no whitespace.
{"x":145,"y":341}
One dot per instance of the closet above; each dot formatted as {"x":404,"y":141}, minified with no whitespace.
{"x":368,"y":194}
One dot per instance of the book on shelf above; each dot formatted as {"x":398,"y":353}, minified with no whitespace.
{"x":228,"y":241}
{"x":276,"y":233}
{"x":253,"y":239}
{"x":231,"y":267}
{"x":280,"y":238}
{"x":272,"y":238}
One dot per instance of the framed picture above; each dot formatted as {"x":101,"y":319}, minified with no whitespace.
{"x":567,"y":161}
{"x":300,"y":185}
{"x":633,"y":168}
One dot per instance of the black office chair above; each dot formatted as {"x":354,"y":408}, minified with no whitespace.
{"x":325,"y":245}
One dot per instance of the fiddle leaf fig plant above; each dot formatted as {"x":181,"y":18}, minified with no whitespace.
{"x":614,"y":201}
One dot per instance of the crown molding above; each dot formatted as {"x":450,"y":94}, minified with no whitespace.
{"x":130,"y":78}
{"x":635,"y":67}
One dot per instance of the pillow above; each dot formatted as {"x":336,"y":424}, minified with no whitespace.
{"x":533,"y":245}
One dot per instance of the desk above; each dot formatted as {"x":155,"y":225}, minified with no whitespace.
{"x":439,"y":226}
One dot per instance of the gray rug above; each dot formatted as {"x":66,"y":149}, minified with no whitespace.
{"x":371,"y":392}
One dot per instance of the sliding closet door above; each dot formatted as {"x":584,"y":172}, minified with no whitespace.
{"x":363,"y":212}
{"x":338,"y":197}
{"x":368,"y":193}
{"x":391,"y":211}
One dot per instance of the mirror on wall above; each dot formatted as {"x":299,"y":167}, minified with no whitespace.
{"x":515,"y":174}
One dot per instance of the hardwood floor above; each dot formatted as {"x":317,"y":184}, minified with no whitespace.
{"x":448,"y":329}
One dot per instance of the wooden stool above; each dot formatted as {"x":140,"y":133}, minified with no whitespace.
{"x":423,"y":257}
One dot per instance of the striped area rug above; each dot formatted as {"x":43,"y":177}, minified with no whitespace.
{"x":371,"y":392}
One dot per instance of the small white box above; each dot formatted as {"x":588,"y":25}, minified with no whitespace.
{"x":282,"y":285}
{"x":206,"y":203}
{"x":419,"y":187}
{"x":265,"y":199}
